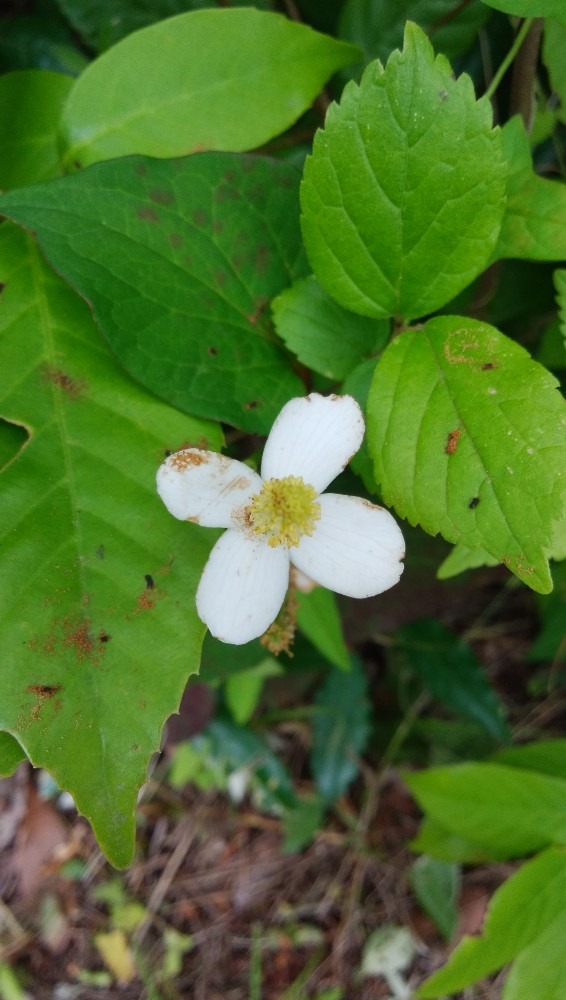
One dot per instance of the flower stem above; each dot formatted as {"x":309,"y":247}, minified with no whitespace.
{"x":519,"y":39}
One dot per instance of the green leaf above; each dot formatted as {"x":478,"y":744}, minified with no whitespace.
{"x":179,"y":260}
{"x":13,"y":437}
{"x":358,"y":384}
{"x":467,"y":437}
{"x":509,"y":811}
{"x":403,"y":195}
{"x":436,"y":885}
{"x":324,"y":336}
{"x":39,"y":41}
{"x":534,"y":223}
{"x":529,"y":8}
{"x":98,"y":581}
{"x":544,"y":756}
{"x":340,"y":730}
{"x":377,"y":25}
{"x":239,"y":749}
{"x":540,"y":970}
{"x":554,"y":40}
{"x":301,"y":823}
{"x":519,"y":912}
{"x":102,"y":23}
{"x":243,"y":689}
{"x":434,"y":839}
{"x":560,"y":285}
{"x":189,"y":102}
{"x":30,"y":107}
{"x":461,"y":559}
{"x":319,"y":619}
{"x":11,"y":754}
{"x":449,"y":669}
{"x":550,"y":642}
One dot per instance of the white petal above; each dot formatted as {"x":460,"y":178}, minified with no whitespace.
{"x":205,"y":487}
{"x":242,"y":587}
{"x":313,"y":437}
{"x":356,"y":548}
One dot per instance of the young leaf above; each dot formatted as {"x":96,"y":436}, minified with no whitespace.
{"x":462,"y":558}
{"x":324,"y":336}
{"x":340,"y":730}
{"x":98,"y":581}
{"x":451,"y":672}
{"x":216,"y":79}
{"x":436,"y":885}
{"x":534,"y":223}
{"x":520,"y":911}
{"x":403,"y":195}
{"x":179,"y":259}
{"x":508,"y":810}
{"x":467,"y":437}
{"x":319,"y":619}
{"x":560,"y":285}
{"x":28,"y":138}
{"x":554,"y":41}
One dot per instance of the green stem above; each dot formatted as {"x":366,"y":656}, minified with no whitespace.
{"x":519,"y":39}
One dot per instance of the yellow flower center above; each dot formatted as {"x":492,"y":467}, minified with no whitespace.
{"x":284,"y":510}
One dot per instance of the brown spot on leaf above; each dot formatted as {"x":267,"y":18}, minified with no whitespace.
{"x":251,"y":405}
{"x":200,"y":218}
{"x":213,"y":351}
{"x":145,"y":602}
{"x":262,"y":302}
{"x":140,"y":169}
{"x":147,"y":213}
{"x":161,"y":197}
{"x":175,"y":240}
{"x":220,"y":277}
{"x":443,"y":94}
{"x":2,"y":286}
{"x":182,"y":460}
{"x":217,"y":226}
{"x":488,"y":366}
{"x":44,"y":690}
{"x":262,"y":259}
{"x":452,"y":442}
{"x":72,"y":387}
{"x":104,"y":637}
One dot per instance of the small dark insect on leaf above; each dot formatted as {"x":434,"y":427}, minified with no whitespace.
{"x":149,"y":581}
{"x":168,"y":452}
{"x":473,"y":503}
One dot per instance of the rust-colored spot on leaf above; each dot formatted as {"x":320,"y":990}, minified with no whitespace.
{"x":262,"y":259}
{"x":200,"y":218}
{"x":145,"y":602}
{"x":488,"y":366}
{"x":140,"y":169}
{"x":213,"y":351}
{"x":182,"y":460}
{"x":219,"y":277}
{"x":44,"y":690}
{"x":452,"y":442}
{"x":147,"y":213}
{"x":175,"y":240}
{"x":261,"y":304}
{"x":251,"y":405}
{"x":72,"y":387}
{"x":161,"y":197}
{"x":2,"y":286}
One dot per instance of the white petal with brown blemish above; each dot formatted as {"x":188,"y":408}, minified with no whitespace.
{"x":205,"y":487}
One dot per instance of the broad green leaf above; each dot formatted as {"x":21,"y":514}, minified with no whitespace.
{"x":179,"y":260}
{"x":534,"y":223}
{"x":377,"y":25}
{"x":529,"y":8}
{"x":340,"y":730}
{"x":39,"y":41}
{"x":227,"y":79}
{"x":467,"y":437}
{"x":324,"y":336}
{"x":560,"y":285}
{"x":358,"y":384}
{"x":508,"y":810}
{"x":519,"y":912}
{"x":540,"y":970}
{"x":436,"y":885}
{"x":403,"y":195}
{"x":97,"y":588}
{"x":438,"y":842}
{"x":11,"y":754}
{"x":554,"y":40}
{"x":30,"y":107}
{"x":13,"y":437}
{"x":462,"y":558}
{"x":319,"y":619}
{"x":544,"y":756}
{"x":450,"y":670}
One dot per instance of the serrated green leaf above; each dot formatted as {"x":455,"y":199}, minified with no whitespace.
{"x":449,"y":669}
{"x":30,"y":107}
{"x":340,"y":730}
{"x":519,"y":912}
{"x":11,"y":754}
{"x":403,"y":195}
{"x":329,"y":339}
{"x":189,"y":102}
{"x":534,"y":223}
{"x":467,"y":437}
{"x":461,"y":559}
{"x":436,"y":885}
{"x":529,"y":8}
{"x":377,"y":25}
{"x":540,"y":970}
{"x":94,"y":661}
{"x":179,"y":259}
{"x":319,"y":619}
{"x":509,"y":811}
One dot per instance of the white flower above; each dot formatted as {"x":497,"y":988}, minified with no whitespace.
{"x":283,"y":517}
